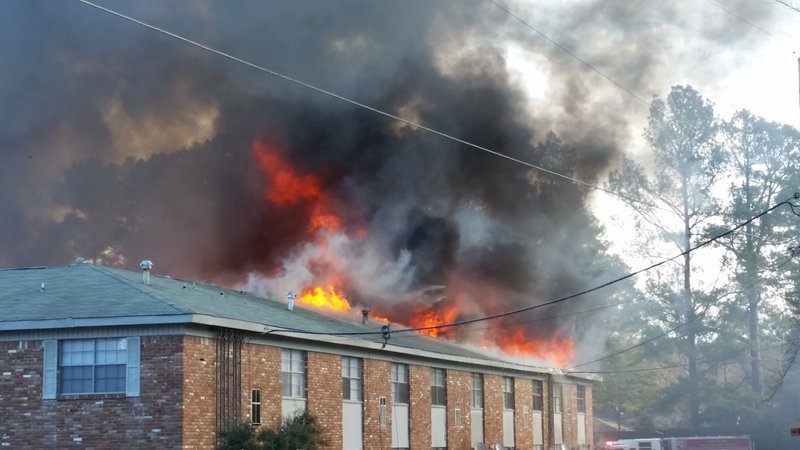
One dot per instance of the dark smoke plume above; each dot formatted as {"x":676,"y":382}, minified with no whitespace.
{"x":120,"y":144}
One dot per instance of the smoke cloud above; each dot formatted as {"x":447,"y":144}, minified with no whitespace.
{"x":120,"y":144}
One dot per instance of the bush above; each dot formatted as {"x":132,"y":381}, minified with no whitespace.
{"x":299,"y":432}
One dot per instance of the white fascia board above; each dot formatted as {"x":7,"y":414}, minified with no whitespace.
{"x":132,"y":320}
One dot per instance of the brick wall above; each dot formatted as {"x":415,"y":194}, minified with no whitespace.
{"x":523,"y":402}
{"x":459,"y":391}
{"x":589,"y":416}
{"x":547,"y":426}
{"x":420,"y":407}
{"x":325,"y":394}
{"x":570,"y":393}
{"x":493,"y":408}
{"x":377,"y":383}
{"x":261,"y":369}
{"x":102,"y":421}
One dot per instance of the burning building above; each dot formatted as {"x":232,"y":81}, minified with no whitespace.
{"x":168,"y":364}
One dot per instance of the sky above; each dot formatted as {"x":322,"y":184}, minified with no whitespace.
{"x":119,"y":143}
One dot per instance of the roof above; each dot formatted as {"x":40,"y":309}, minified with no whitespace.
{"x":86,"y":295}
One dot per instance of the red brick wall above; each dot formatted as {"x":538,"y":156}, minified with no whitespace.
{"x":377,"y":383}
{"x":523,"y":401}
{"x":199,"y":397}
{"x":459,"y":391}
{"x":261,"y":369}
{"x":589,"y":416}
{"x":570,"y":392}
{"x":103,"y":421}
{"x":493,"y":408}
{"x":420,"y":407}
{"x":325,"y":395}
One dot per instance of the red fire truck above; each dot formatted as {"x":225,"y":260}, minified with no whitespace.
{"x":683,"y":443}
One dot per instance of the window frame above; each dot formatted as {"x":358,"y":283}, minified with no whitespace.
{"x":352,"y":382}
{"x":401,"y":393}
{"x":508,"y":393}
{"x":93,"y":366}
{"x":476,"y":391}
{"x":538,"y":395}
{"x":557,"y":398}
{"x":255,"y":407}
{"x":296,"y":375}
{"x":581,"y":398}
{"x":438,"y":387}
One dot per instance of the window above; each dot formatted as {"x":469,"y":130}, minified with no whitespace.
{"x":382,"y":412}
{"x":438,"y":387}
{"x":400,"y":384}
{"x":255,"y":406}
{"x":293,"y":373}
{"x":581,"y":398}
{"x":645,"y":445}
{"x":458,"y":422}
{"x":351,"y":378}
{"x":93,"y":366}
{"x":538,"y":395}
{"x":508,"y":393}
{"x":556,"y":398}
{"x":477,"y":391}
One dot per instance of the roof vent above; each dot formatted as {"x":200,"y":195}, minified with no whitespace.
{"x":290,"y":300}
{"x":146,"y":265}
{"x":364,"y":315}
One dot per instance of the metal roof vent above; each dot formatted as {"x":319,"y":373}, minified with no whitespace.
{"x":146,"y":265}
{"x":364,"y":315}
{"x":290,"y":296}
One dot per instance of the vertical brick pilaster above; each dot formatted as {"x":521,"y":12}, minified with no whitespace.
{"x":377,"y":383}
{"x":493,"y":408}
{"x":459,"y":392}
{"x":261,"y":369}
{"x":570,"y":402}
{"x":523,"y":401}
{"x":589,"y":416}
{"x":325,"y":395}
{"x":420,"y":407}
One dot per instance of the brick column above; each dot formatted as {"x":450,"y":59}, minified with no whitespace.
{"x":523,"y":416}
{"x":261,"y":369}
{"x":459,"y":392}
{"x":420,"y":407}
{"x":493,"y":408}
{"x":377,"y":379}
{"x":325,"y":395}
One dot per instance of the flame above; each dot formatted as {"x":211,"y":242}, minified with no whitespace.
{"x":431,"y":318}
{"x":321,"y":298}
{"x":558,"y":348}
{"x":286,"y":187}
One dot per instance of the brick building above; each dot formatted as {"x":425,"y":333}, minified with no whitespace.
{"x":95,"y":358}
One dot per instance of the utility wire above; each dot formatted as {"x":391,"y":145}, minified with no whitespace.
{"x":551,"y":302}
{"x":750,"y":23}
{"x":568,"y":52}
{"x":365,"y":106}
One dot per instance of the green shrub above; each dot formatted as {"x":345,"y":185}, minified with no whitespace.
{"x":299,"y":432}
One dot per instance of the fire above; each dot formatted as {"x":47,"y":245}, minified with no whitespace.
{"x":286,"y":187}
{"x":321,"y":298}
{"x":433,"y":317}
{"x":558,"y":348}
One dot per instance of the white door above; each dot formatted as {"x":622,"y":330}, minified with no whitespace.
{"x":400,"y":426}
{"x":438,"y":426}
{"x":508,"y":427}
{"x":538,"y":428}
{"x":476,"y":419}
{"x":352,"y":434}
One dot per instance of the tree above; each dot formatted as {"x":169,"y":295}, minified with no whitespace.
{"x":674,"y":204}
{"x":761,"y":159}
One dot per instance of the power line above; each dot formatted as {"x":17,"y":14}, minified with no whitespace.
{"x":558,"y":300}
{"x":363,"y":105}
{"x":750,"y":23}
{"x":568,"y":52}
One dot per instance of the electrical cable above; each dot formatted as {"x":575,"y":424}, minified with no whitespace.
{"x":551,"y":302}
{"x":567,"y":51}
{"x":365,"y":106}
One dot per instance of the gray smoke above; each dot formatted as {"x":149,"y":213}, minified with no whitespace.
{"x":120,"y":144}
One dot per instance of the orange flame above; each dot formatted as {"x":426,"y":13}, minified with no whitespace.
{"x":288,"y":188}
{"x":319,"y":298}
{"x":431,"y":318}
{"x":558,"y":348}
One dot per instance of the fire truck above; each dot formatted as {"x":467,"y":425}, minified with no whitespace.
{"x":683,"y":443}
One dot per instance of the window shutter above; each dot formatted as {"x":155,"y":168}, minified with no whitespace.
{"x":50,"y":378}
{"x":132,"y":375}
